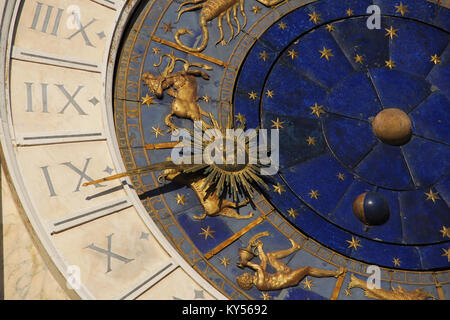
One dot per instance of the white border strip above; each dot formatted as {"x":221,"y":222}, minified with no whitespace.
{"x":148,"y":282}
{"x":42,"y":230}
{"x":41,"y":138}
{"x":88,"y":215}
{"x":112,"y":4}
{"x":53,"y":59}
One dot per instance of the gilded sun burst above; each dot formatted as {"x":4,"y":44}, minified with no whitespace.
{"x":231,"y":177}
{"x":237,"y":176}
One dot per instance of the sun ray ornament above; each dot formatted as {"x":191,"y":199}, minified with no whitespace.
{"x":204,"y":160}
{"x":237,"y":173}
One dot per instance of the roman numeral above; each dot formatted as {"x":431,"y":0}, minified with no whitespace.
{"x":49,"y":181}
{"x":108,"y":252}
{"x":71,"y":99}
{"x":44,"y":87}
{"x":83,"y":176}
{"x":44,"y":96}
{"x":82,"y":31}
{"x":81,"y":173}
{"x":48,"y":16}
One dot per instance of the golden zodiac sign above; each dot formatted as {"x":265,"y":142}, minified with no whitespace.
{"x":394,"y":294}
{"x":247,"y":254}
{"x":212,"y":205}
{"x":212,"y":9}
{"x":284,"y":276}
{"x":184,"y":90}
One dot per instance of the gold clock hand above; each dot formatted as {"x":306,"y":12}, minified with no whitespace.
{"x":164,"y":145}
{"x":153,"y":167}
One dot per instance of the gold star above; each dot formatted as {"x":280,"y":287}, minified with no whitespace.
{"x":292,"y":54}
{"x":308,"y":283}
{"x":279,"y":188}
{"x":207,"y":233}
{"x":326,"y":53}
{"x":157,"y":132}
{"x":311,"y":141}
{"x":391,"y":32}
{"x":253,"y":95}
{"x":207,"y":99}
{"x":225,"y":261}
{"x":435,"y":59}
{"x":263,"y":55}
{"x":147,"y":100}
{"x":314,"y":194}
{"x":269,"y":93}
{"x":241,"y":118}
{"x":401,"y":8}
{"x":349,"y":12}
{"x":317,"y":110}
{"x":359,"y":59}
{"x":282,"y":25}
{"x":181,"y":199}
{"x":348,"y":293}
{"x":314,"y":17}
{"x":277,"y":124}
{"x":390,"y":64}
{"x":156,"y":50}
{"x":341,"y":176}
{"x":292,"y":213}
{"x":256,"y":9}
{"x":266,"y":296}
{"x":354,"y":243}
{"x":167,"y":27}
{"x":445,"y":232}
{"x":330,"y":27}
{"x":396,"y":262}
{"x":446,"y":253}
{"x":433,"y":196}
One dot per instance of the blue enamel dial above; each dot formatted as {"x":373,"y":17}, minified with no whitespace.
{"x":322,"y":85}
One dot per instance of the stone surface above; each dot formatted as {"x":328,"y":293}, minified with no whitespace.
{"x":26,"y":276}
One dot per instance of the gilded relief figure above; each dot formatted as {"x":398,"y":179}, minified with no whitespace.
{"x":284,"y":276}
{"x":182,"y":86}
{"x":211,"y":9}
{"x":212,"y":205}
{"x":394,"y":294}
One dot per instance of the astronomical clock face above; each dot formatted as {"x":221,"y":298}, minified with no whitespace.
{"x":98,"y":93}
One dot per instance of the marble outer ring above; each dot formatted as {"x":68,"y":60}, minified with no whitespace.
{"x":40,"y":231}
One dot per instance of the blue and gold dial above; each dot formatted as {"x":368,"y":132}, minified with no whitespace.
{"x":362,"y":116}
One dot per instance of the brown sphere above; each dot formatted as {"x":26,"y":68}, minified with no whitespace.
{"x":358,"y":208}
{"x":392,"y":126}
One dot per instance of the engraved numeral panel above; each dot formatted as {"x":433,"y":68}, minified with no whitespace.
{"x":114,"y":253}
{"x":55,"y":99}
{"x":59,"y":26}
{"x":54,"y":175}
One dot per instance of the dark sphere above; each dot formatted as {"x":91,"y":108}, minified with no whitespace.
{"x":371,"y":208}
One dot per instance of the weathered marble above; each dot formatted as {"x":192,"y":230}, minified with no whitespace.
{"x":26,"y":275}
